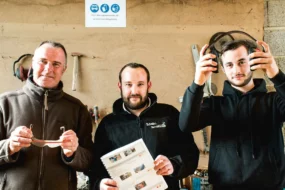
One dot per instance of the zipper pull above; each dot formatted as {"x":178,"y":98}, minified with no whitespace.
{"x":45,"y":100}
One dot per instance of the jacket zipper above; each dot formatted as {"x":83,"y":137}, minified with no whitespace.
{"x":45,"y":109}
{"x":140,"y":128}
{"x":139,"y":119}
{"x":46,"y":100}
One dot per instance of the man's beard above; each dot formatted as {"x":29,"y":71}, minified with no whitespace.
{"x":245,"y":82}
{"x":135,"y":106}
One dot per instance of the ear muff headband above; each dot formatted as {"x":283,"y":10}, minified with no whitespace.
{"x":220,"y":35}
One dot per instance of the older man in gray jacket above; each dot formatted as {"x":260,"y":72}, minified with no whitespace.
{"x":27,"y":159}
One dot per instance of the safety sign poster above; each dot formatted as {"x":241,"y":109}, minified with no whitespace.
{"x":105,"y":13}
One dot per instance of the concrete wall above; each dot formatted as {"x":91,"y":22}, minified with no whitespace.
{"x":274,"y":32}
{"x":274,"y":29}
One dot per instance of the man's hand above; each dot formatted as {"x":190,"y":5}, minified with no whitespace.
{"x":163,"y":166}
{"x":204,"y":67}
{"x":108,"y":184}
{"x":264,"y":60}
{"x":69,"y":142}
{"x":20,"y":137}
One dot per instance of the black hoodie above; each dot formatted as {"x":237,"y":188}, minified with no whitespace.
{"x":122,"y":127}
{"x":247,"y":148}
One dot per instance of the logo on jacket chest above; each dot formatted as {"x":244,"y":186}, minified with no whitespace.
{"x":155,"y":125}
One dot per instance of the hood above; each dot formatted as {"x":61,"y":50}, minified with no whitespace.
{"x":118,"y":104}
{"x":259,"y":86}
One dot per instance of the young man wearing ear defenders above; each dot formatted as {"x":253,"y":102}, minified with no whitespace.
{"x":247,"y":148}
{"x":25,"y":164}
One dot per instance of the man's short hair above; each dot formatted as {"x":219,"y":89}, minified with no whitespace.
{"x":56,"y":45}
{"x":233,"y":45}
{"x":134,"y":65}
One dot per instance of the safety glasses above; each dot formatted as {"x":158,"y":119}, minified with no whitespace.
{"x":49,"y":143}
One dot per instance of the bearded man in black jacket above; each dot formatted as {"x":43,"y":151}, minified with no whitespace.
{"x":138,"y":115}
{"x":247,"y":148}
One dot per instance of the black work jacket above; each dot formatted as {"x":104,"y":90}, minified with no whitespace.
{"x":158,"y":127}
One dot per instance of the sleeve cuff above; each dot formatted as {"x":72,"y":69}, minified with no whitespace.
{"x":176,"y":168}
{"x":195,"y":88}
{"x":67,"y":159}
{"x":10,"y":158}
{"x":278,"y":79}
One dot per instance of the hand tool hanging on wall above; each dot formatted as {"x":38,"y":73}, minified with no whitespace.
{"x":96,"y":114}
{"x":207,"y":92}
{"x":75,"y":56}
{"x":20,"y":72}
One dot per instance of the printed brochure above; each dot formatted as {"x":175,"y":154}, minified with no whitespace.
{"x":132,"y":167}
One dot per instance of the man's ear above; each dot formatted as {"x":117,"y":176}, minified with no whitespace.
{"x":120,"y":85}
{"x":64,"y":68}
{"x":149,"y":85}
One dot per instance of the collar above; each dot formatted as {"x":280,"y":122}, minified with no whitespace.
{"x":38,"y":93}
{"x":259,"y":87}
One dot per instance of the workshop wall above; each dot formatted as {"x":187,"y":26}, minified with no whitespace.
{"x":159,"y":34}
{"x":274,"y":30}
{"x":274,"y":34}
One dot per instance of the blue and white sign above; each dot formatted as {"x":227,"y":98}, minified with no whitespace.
{"x":104,"y":8}
{"x":115,"y":8}
{"x":94,"y":8}
{"x":105,"y":13}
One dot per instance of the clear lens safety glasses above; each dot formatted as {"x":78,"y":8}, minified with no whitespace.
{"x":49,"y":143}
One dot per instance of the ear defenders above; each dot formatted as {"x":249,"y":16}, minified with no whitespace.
{"x":21,"y":73}
{"x":220,"y":38}
{"x":253,"y":49}
{"x":213,"y":50}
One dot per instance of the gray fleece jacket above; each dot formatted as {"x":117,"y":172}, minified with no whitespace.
{"x":48,"y":110}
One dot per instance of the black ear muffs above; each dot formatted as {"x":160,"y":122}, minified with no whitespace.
{"x":220,"y":38}
{"x":21,"y":73}
{"x":213,"y":51}
{"x":254,"y":49}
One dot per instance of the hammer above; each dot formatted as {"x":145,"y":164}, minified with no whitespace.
{"x":96,"y":113}
{"x":75,"y":56}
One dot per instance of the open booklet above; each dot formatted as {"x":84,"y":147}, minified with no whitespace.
{"x":132,"y":167}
